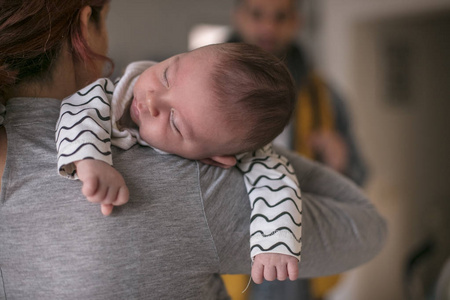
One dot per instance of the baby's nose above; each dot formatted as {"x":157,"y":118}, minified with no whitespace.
{"x":152,"y":104}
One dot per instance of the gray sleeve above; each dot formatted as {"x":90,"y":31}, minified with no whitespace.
{"x":341,"y":228}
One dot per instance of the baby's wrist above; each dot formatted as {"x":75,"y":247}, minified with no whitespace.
{"x":275,"y":255}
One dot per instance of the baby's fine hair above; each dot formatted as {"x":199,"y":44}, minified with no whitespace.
{"x":255,"y":90}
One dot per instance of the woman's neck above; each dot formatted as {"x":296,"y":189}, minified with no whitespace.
{"x":62,"y":83}
{"x":41,"y":90}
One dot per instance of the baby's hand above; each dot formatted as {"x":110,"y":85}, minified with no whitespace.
{"x":102,"y":184}
{"x":271,"y":266}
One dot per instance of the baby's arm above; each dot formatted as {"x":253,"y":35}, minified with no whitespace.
{"x":275,"y":226}
{"x":84,"y":131}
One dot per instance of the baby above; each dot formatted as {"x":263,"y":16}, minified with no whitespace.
{"x":221,"y":104}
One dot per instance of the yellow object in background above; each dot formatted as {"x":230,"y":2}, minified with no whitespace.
{"x":321,"y":286}
{"x":236,"y":284}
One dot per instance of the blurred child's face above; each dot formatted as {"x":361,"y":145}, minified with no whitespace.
{"x":174,"y":107}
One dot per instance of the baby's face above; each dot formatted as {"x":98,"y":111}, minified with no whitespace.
{"x":174,"y":107}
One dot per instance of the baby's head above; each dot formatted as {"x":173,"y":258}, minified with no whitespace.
{"x":255,"y":92}
{"x":213,"y":102}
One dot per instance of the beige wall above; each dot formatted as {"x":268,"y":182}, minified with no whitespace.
{"x":406,"y":144}
{"x":157,"y":29}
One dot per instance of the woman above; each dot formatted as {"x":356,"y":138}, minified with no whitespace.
{"x":185,"y":222}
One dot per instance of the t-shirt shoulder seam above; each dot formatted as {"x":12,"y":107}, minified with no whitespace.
{"x":200,"y":191}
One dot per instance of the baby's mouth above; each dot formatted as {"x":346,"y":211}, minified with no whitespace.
{"x":134,"y":110}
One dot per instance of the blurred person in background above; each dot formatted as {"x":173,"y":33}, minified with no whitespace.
{"x":321,"y":126}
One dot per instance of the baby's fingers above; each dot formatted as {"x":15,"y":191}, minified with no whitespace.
{"x":258,"y":273}
{"x":113,"y":198}
{"x":122,"y":196}
{"x":282,"y":273}
{"x":270,"y":273}
{"x":95,"y":192}
{"x":292,"y":269}
{"x":106,"y":209}
{"x":90,"y":187}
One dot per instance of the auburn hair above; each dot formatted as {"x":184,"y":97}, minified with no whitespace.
{"x":32,"y":33}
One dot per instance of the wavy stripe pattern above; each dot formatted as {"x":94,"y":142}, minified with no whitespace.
{"x":88,"y":118}
{"x":84,"y":127}
{"x":275,"y":246}
{"x":275,"y":198}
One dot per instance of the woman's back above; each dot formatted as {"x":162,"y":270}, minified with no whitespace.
{"x":54,"y":242}
{"x":185,"y":223}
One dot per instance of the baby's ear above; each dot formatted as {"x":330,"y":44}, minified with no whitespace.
{"x":224,"y":161}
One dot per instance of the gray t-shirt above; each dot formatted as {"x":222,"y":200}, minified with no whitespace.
{"x":185,"y":223}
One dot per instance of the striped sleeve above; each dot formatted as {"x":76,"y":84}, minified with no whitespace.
{"x":84,"y":127}
{"x":275,"y":199}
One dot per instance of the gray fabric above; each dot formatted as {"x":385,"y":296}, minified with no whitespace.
{"x":184,"y":224}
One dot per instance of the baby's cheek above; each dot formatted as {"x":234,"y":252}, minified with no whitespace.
{"x":145,"y":135}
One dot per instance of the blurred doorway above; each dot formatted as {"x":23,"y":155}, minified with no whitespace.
{"x":401,"y":68}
